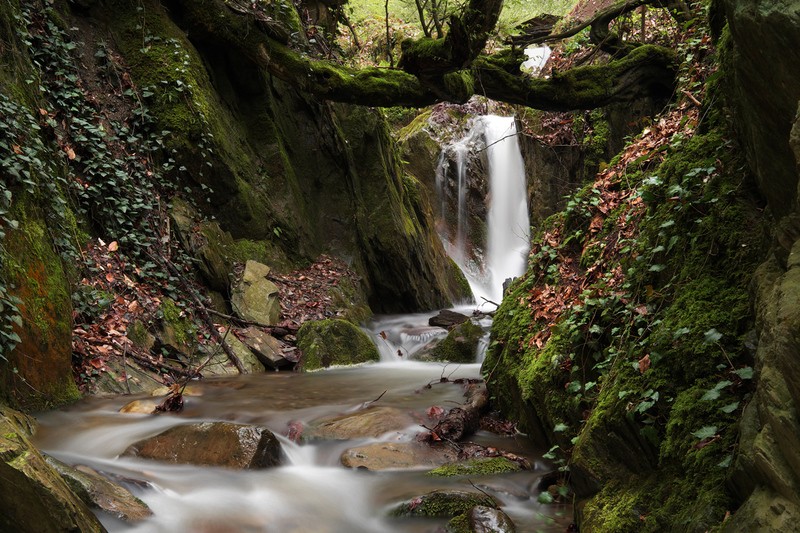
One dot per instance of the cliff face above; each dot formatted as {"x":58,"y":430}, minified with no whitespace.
{"x":113,"y":109}
{"x":764,"y":96}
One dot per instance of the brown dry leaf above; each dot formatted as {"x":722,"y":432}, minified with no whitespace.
{"x":644,"y":364}
{"x":43,"y":112}
{"x":110,"y":277}
{"x":642,"y":310}
{"x":70,"y":153}
{"x":113,"y":247}
{"x":17,"y":150}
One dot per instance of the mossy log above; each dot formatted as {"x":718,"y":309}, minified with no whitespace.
{"x":428,"y":66}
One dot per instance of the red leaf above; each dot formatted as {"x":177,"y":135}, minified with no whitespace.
{"x":435,"y":412}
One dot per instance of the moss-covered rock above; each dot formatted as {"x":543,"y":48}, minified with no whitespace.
{"x":98,"y":492}
{"x":460,"y":345}
{"x":38,"y":373}
{"x":485,"y":466}
{"x":33,"y":495}
{"x":334,"y":342}
{"x":481,"y":519}
{"x":443,"y":503}
{"x":255,"y":298}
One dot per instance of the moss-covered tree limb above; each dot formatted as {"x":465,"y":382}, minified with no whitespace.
{"x":434,"y":70}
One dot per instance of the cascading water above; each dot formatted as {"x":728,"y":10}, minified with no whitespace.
{"x":311,"y":491}
{"x":508,"y":229}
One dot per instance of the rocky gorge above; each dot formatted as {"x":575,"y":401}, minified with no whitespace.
{"x":173,"y":209}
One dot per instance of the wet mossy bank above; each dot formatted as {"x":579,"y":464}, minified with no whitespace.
{"x":651,"y":346}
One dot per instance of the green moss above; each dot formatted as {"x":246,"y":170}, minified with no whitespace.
{"x":179,"y":330}
{"x":485,"y":466}
{"x":460,"y":85}
{"x":459,"y":524}
{"x":460,"y":345}
{"x":331,"y":342}
{"x":637,"y":462}
{"x":443,"y":503}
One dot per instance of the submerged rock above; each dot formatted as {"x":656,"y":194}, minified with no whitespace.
{"x":370,"y":422}
{"x":255,"y":298}
{"x":33,"y":496}
{"x":334,"y":342}
{"x":212,"y":444}
{"x":396,"y":455}
{"x":98,"y":492}
{"x":443,"y":503}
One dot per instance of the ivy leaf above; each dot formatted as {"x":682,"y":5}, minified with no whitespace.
{"x":705,"y":432}
{"x":545,"y":498}
{"x":711,"y":336}
{"x":731,"y":407}
{"x":713,"y":394}
{"x":560,"y":428}
{"x":744,"y":373}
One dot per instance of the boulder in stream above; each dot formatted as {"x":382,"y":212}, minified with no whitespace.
{"x":100,"y":493}
{"x":33,"y":496}
{"x":460,"y":345}
{"x":212,"y":444}
{"x":255,"y":298}
{"x":397,"y":455}
{"x":331,"y":342}
{"x":369,"y":422}
{"x":481,"y":519}
{"x":482,"y":466}
{"x":443,"y":504}
{"x":447,"y":319}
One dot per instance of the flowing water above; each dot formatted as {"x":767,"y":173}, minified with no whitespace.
{"x":508,"y":227}
{"x":311,"y":491}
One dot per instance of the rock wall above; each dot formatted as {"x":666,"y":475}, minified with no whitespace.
{"x":761,"y":65}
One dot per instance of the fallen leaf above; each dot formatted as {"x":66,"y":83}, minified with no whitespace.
{"x":113,"y":247}
{"x":644,"y":364}
{"x":435,"y":412}
{"x":70,"y":153}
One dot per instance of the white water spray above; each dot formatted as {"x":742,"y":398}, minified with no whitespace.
{"x":508,"y":226}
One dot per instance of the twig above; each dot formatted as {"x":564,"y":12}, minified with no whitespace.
{"x":691,"y":97}
{"x":480,"y":489}
{"x":489,"y":301}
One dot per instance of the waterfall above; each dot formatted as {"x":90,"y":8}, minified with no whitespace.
{"x":504,"y":254}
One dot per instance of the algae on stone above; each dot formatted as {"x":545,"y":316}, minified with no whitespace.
{"x":332,"y":342}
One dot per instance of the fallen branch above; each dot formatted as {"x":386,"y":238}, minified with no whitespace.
{"x":460,"y":422}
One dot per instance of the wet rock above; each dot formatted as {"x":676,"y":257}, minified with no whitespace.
{"x":334,"y":342}
{"x":255,"y":298}
{"x":33,"y":496}
{"x":396,"y":455}
{"x":447,"y":319}
{"x":443,"y":503}
{"x":220,"y":365}
{"x":481,"y":519}
{"x":212,"y":444}
{"x":140,"y":407}
{"x":484,"y":466}
{"x":124,"y":377}
{"x":370,"y":422}
{"x":460,"y":345}
{"x":100,"y":493}
{"x":266,"y":348}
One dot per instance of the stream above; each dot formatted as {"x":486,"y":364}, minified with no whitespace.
{"x":311,"y":491}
